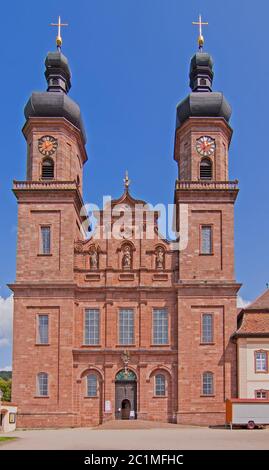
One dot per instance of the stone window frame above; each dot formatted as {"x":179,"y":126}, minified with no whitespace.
{"x":160,"y":395}
{"x":203,"y":394}
{"x":96,"y":309}
{"x":44,"y":159}
{"x":38,"y":342}
{"x":261,"y":390}
{"x":92,"y":373}
{"x":123,"y":343}
{"x":153,"y":343}
{"x":202,"y":226}
{"x":203,"y":314}
{"x":261,"y":351}
{"x":41,"y":252}
{"x":38,"y":394}
{"x":208,"y":158}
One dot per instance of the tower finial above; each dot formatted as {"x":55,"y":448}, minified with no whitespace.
{"x":59,"y":38}
{"x":201,"y":40}
{"x":126,"y":181}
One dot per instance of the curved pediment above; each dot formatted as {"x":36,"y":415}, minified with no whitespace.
{"x":126,"y":198}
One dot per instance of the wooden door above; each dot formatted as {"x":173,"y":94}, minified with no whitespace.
{"x":125,"y":400}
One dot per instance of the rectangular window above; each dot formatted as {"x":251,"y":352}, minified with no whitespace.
{"x":43,"y":329}
{"x":45,"y":240}
{"x":126,"y":326}
{"x":92,"y":326}
{"x":42,"y":384}
{"x":160,"y":326}
{"x":206,"y":240}
{"x":207,"y":328}
{"x":261,"y":394}
{"x":91,"y":385}
{"x":160,"y":385}
{"x":208,"y":383}
{"x":261,"y":364}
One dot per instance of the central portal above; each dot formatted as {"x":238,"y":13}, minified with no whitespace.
{"x":125,"y":395}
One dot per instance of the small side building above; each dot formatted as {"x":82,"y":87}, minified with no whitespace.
{"x":8,"y":415}
{"x":252,"y":337}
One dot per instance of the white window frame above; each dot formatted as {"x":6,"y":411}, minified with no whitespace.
{"x":40,"y":386}
{"x":95,"y":325}
{"x":160,"y":387}
{"x":205,"y":391}
{"x":88,"y":385}
{"x":126,"y":328}
{"x":39,"y":339}
{"x":45,"y":250}
{"x":160,"y":326}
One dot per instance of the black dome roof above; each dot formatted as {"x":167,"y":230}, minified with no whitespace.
{"x":202,"y":101}
{"x":197,"y":104}
{"x":54,"y":102}
{"x":51,"y":104}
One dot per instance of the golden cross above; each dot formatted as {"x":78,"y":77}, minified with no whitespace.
{"x":126,"y":180}
{"x":200,"y":38}
{"x":58,"y":38}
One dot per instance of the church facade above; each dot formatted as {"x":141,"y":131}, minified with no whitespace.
{"x":125,"y":327}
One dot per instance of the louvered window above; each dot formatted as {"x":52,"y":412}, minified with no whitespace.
{"x":205,"y":169}
{"x":48,"y":169}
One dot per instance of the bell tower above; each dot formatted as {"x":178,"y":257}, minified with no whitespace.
{"x":54,"y":129}
{"x":50,"y":199}
{"x":206,"y":288}
{"x":49,"y":221}
{"x":202,"y":140}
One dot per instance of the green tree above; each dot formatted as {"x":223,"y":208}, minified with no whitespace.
{"x":5,"y":386}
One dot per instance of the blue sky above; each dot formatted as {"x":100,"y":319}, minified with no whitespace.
{"x":129,"y":61}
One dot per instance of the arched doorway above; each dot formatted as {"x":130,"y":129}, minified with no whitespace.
{"x":125,"y":409}
{"x":125,"y":395}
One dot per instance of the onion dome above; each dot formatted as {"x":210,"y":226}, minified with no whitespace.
{"x":55,"y":102}
{"x":202,"y":101}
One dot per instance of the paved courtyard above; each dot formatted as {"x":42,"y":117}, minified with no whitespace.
{"x":142,"y":435}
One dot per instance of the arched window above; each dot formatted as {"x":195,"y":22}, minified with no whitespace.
{"x":91,"y":385}
{"x":206,"y":169}
{"x":208,"y":384}
{"x":159,"y":385}
{"x":47,"y":169}
{"x":42,"y":384}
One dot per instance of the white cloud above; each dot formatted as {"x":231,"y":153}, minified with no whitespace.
{"x":242,"y":303}
{"x":6,"y":316}
{"x":6,"y":369}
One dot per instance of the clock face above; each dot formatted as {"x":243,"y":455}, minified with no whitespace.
{"x":47,"y":145}
{"x":205,"y":146}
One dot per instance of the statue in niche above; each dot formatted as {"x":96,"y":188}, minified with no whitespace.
{"x":127,"y":257}
{"x":93,"y":259}
{"x":160,"y":258}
